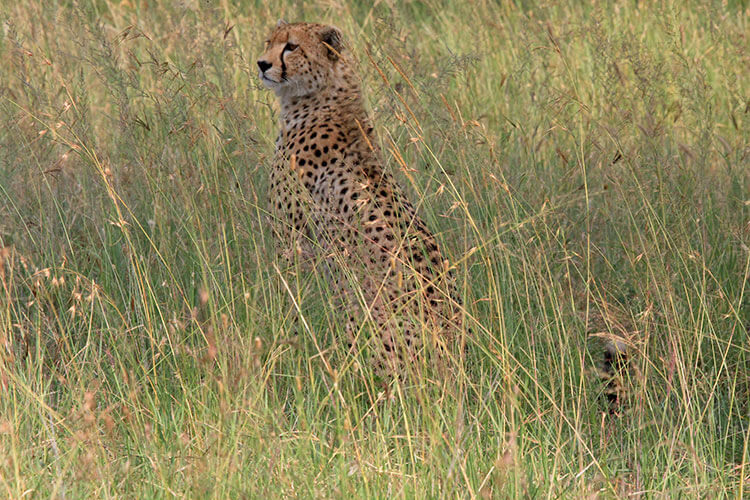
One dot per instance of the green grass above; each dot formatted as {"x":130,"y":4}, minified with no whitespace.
{"x":586,"y":166}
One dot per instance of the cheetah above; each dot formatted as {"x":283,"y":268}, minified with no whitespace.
{"x":331,"y":196}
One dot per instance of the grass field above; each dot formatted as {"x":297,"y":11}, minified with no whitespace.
{"x":586,"y":166}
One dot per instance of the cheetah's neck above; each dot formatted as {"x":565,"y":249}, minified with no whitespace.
{"x":342,"y":98}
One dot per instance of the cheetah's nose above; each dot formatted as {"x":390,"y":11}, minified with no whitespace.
{"x":264,"y":65}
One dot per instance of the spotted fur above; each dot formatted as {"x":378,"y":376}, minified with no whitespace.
{"x":330,"y":196}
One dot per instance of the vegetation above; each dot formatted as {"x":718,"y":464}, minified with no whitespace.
{"x":587,"y":168}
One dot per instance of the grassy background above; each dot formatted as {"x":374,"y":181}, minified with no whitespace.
{"x":587,"y":168}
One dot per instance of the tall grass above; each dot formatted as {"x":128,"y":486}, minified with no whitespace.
{"x":586,"y":166}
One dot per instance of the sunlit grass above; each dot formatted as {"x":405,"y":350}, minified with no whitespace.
{"x":586,"y":168}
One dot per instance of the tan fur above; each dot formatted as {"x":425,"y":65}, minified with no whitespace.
{"x":330,"y":196}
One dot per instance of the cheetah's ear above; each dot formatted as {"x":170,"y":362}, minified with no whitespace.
{"x":281,"y":23}
{"x":333,"y":40}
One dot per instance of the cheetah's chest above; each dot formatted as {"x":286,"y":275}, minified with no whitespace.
{"x":322,"y":175}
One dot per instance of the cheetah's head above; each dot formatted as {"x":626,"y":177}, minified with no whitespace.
{"x":299,"y":58}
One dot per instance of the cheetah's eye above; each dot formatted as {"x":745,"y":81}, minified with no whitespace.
{"x":290,"y":47}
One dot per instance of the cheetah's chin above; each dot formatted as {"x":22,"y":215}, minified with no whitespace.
{"x":267,"y":81}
